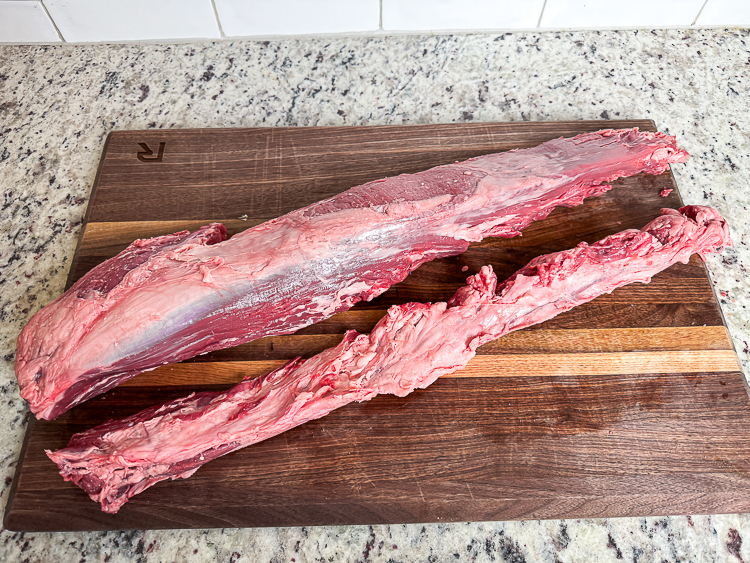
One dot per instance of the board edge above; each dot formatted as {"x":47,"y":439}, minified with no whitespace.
{"x":89,"y":207}
{"x":7,"y":513}
{"x":615,"y":123}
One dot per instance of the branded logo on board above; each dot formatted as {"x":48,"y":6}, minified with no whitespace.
{"x":147,"y":155}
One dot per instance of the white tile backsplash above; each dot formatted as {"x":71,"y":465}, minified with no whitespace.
{"x":132,"y":20}
{"x":618,"y":13}
{"x":296,"y":17}
{"x":81,"y":21}
{"x":425,"y":15}
{"x":25,"y":22}
{"x":725,"y":12}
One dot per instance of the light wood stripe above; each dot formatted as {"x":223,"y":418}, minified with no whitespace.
{"x":528,"y":341}
{"x":105,"y":238}
{"x":496,"y":365}
{"x":612,"y":340}
{"x":202,"y":373}
{"x":608,"y":363}
{"x":522,"y":342}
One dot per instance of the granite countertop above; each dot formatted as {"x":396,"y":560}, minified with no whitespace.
{"x":57,"y":105}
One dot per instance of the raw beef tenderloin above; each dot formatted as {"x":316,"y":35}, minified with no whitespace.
{"x":175,"y":297}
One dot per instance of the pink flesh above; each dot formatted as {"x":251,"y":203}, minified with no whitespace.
{"x":303,"y":267}
{"x":409,"y":349}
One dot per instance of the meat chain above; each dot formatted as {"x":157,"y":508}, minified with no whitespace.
{"x":409,"y":349}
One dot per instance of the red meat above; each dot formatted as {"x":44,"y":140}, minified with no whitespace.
{"x":172,"y":298}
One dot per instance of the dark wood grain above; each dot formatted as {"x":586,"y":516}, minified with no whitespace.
{"x":629,"y":405}
{"x":533,"y":447}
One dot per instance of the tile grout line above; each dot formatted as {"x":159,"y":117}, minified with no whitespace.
{"x":539,"y":22}
{"x":380,"y":15}
{"x":699,"y":12}
{"x":218,"y":21}
{"x":57,"y":30}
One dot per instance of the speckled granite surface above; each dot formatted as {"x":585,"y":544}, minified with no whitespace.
{"x":57,"y":105}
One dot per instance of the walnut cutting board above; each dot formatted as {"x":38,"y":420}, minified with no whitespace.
{"x":632,"y":404}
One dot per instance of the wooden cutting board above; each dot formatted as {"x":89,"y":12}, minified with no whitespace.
{"x":632,"y":404}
